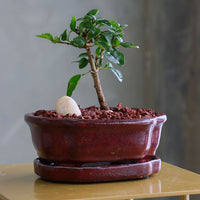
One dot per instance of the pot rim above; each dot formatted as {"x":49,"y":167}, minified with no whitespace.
{"x":30,"y":117}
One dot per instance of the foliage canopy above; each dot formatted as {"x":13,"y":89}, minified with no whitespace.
{"x":102,"y":35}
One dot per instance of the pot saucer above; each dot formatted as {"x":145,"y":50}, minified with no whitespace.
{"x":99,"y":171}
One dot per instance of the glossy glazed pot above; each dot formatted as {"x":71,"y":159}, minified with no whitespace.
{"x":67,"y":141}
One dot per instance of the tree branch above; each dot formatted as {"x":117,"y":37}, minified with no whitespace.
{"x":87,"y":45}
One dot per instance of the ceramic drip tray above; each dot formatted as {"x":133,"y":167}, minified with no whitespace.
{"x":97,"y":171}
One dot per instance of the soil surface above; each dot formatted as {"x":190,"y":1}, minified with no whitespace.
{"x":94,"y":113}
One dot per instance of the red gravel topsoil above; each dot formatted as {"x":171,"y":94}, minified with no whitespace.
{"x":94,"y":113}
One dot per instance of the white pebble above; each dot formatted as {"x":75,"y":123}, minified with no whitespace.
{"x":67,"y":105}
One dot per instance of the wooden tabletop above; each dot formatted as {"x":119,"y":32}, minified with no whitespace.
{"x":18,"y":182}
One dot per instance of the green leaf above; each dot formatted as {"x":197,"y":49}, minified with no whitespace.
{"x":94,"y":33}
{"x":80,"y":19}
{"x":116,"y":71}
{"x":83,"y":55}
{"x":108,"y":35}
{"x":103,"y":46}
{"x":64,"y":35}
{"x":115,"y":24}
{"x":87,"y":25}
{"x":56,"y":39}
{"x":72,"y":84}
{"x":111,"y":58}
{"x":90,"y":18}
{"x":93,"y":12}
{"x":124,"y":26}
{"x":118,"y":56}
{"x":128,"y":45}
{"x":116,"y":32}
{"x":78,"y":41}
{"x":115,"y":57}
{"x":69,"y":36}
{"x":112,"y":31}
{"x":46,"y":36}
{"x":98,"y":51}
{"x":100,"y":21}
{"x":120,"y":38}
{"x":83,"y":62}
{"x":81,"y":26}
{"x":116,"y":43}
{"x":73,"y":24}
{"x":104,"y":43}
{"x":100,"y":62}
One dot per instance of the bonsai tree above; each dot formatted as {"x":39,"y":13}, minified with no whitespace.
{"x":89,"y":136}
{"x":100,"y":38}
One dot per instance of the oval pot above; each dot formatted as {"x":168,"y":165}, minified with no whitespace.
{"x":68,"y":142}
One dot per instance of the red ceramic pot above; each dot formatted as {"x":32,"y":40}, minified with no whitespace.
{"x":67,"y":141}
